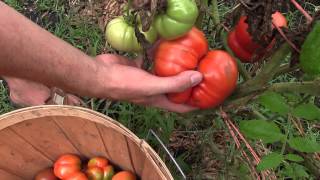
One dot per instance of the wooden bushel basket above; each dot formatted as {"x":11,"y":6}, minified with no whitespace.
{"x":31,"y":139}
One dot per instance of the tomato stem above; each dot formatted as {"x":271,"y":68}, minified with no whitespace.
{"x":266,"y":74}
{"x":203,"y":10}
{"x":286,"y":38}
{"x":215,"y":12}
{"x":308,"y":87}
{"x":298,"y":6}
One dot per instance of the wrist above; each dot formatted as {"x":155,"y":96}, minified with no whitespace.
{"x":101,"y":85}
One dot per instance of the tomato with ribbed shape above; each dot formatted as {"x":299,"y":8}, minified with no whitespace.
{"x":190,"y":52}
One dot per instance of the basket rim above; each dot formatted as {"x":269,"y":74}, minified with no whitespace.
{"x":24,"y":114}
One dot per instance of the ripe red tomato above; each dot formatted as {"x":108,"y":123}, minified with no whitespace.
{"x":98,"y":162}
{"x":218,"y":68}
{"x":77,"y":176}
{"x":241,"y":43}
{"x":173,"y":57}
{"x":237,"y":48}
{"x":124,"y":175}
{"x":67,"y":165}
{"x":220,"y":75}
{"x":46,"y":174}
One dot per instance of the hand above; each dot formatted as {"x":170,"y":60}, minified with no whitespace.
{"x":126,"y":81}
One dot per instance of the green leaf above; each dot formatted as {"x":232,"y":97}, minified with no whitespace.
{"x":299,"y":170}
{"x":270,"y":161}
{"x":310,"y":54}
{"x":304,"y":144}
{"x":294,"y":157}
{"x":267,"y":131}
{"x":307,"y":111}
{"x":275,"y":102}
{"x":294,"y":171}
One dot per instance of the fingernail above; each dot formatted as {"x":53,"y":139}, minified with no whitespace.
{"x":196,"y":79}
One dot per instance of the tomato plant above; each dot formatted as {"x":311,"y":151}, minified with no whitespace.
{"x":218,"y":68}
{"x":67,"y":165}
{"x":241,"y":43}
{"x":178,"y":18}
{"x":121,"y":35}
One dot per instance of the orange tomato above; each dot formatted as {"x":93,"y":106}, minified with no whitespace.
{"x":124,"y":175}
{"x":98,"y":162}
{"x":67,"y":165}
{"x":77,"y":176}
{"x":46,"y":174}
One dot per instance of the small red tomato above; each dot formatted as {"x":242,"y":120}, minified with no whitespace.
{"x":77,"y":176}
{"x":124,"y":175}
{"x":95,"y":173}
{"x":98,"y":162}
{"x":67,"y":165}
{"x":108,"y":172}
{"x":238,"y":49}
{"x":279,"y":20}
{"x":46,"y":174}
{"x":242,"y":44}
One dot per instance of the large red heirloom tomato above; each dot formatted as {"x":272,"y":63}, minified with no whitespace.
{"x":190,"y":52}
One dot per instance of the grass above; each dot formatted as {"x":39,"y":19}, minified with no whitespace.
{"x":5,"y":105}
{"x":200,"y":142}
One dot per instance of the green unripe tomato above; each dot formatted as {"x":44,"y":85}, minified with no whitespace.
{"x":121,"y":36}
{"x":178,"y":19}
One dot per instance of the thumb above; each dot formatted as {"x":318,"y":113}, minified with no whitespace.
{"x":181,"y":82}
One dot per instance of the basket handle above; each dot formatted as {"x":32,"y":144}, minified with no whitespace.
{"x":167,"y":151}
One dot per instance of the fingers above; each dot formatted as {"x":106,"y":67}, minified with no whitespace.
{"x":127,"y":82}
{"x":178,"y":83}
{"x":161,"y":101}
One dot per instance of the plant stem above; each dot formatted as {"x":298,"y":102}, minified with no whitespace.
{"x":286,"y":68}
{"x":129,"y":7}
{"x":203,"y":9}
{"x":310,"y":87}
{"x":215,"y":12}
{"x":266,"y":74}
{"x":258,"y":114}
{"x":287,"y":134}
{"x":297,"y":5}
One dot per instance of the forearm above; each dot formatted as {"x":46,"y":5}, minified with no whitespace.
{"x":28,"y":51}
